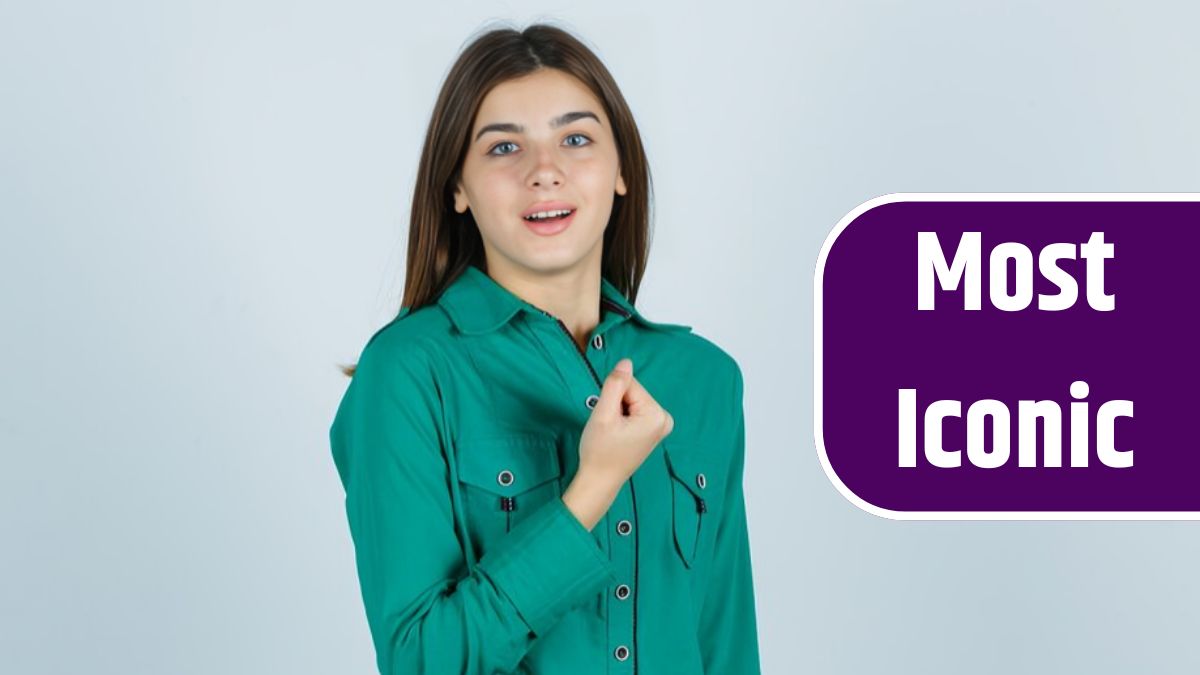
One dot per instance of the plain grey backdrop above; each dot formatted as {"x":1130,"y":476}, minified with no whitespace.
{"x":204,"y":208}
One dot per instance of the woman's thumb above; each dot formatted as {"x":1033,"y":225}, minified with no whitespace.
{"x":614,"y":388}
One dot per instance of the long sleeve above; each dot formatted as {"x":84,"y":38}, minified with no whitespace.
{"x":426,"y":611}
{"x":728,"y":627}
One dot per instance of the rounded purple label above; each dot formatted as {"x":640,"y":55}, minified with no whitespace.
{"x":1015,"y":356}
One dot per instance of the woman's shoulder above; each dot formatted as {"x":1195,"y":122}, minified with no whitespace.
{"x":701,"y":346}
{"x":409,"y":338}
{"x":411,"y":328}
{"x":697,"y":351}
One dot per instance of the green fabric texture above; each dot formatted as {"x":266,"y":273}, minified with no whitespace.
{"x":455,"y":440}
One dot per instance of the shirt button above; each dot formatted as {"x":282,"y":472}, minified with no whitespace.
{"x":598,"y":342}
{"x":621,"y":653}
{"x":592,"y":401}
{"x":505,"y":477}
{"x":701,"y":480}
{"x":622,"y":592}
{"x":624,"y":527}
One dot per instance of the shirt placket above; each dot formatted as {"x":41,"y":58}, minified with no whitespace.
{"x":581,"y":371}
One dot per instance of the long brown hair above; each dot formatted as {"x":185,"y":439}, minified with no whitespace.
{"x":441,"y":241}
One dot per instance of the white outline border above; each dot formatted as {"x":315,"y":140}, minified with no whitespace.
{"x":818,"y":284}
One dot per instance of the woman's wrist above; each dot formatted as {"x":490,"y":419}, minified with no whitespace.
{"x":589,"y":496}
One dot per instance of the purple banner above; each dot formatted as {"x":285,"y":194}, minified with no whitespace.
{"x":1016,"y":356}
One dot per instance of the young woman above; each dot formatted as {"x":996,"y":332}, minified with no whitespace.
{"x":538,"y":478}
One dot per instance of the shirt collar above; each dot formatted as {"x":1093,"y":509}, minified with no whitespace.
{"x":476,"y":303}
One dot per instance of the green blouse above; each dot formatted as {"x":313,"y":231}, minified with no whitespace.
{"x":455,"y":440}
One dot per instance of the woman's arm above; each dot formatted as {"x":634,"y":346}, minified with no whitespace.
{"x":728,"y":628}
{"x":426,"y":613}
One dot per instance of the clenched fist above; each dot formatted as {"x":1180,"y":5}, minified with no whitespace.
{"x":624,"y":427}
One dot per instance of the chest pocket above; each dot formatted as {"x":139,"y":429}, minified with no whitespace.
{"x":694,"y":488}
{"x":503,"y":479}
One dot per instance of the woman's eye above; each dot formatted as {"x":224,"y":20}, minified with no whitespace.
{"x":501,"y":145}
{"x":574,"y":140}
{"x":585,"y":138}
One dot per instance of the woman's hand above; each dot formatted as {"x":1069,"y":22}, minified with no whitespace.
{"x":614,"y":444}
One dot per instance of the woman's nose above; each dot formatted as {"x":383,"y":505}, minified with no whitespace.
{"x":546,"y":170}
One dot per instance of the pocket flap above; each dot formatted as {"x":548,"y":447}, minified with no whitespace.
{"x":508,"y":465}
{"x":690,"y":466}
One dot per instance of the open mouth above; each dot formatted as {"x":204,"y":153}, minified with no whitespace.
{"x":550,"y":216}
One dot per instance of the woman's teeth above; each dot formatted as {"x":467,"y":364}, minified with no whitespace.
{"x":547,"y":215}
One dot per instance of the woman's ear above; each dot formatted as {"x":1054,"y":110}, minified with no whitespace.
{"x":621,"y":190}
{"x":460,"y":198}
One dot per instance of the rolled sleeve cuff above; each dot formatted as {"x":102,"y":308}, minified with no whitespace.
{"x":547,"y":565}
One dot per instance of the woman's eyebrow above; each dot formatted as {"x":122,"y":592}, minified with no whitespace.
{"x":565,"y":118}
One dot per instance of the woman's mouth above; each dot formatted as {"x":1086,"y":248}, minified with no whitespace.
{"x":550,"y":221}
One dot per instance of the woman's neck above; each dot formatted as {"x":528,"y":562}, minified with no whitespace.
{"x":571,"y":295}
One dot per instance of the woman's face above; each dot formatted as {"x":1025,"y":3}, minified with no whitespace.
{"x":540,"y":142}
